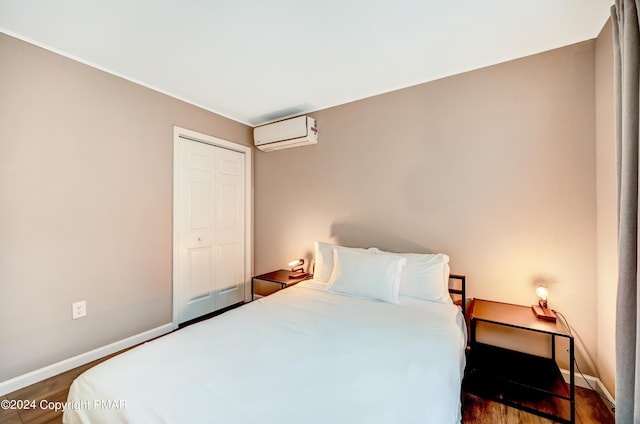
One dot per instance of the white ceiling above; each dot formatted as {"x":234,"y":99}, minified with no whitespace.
{"x":259,"y":60}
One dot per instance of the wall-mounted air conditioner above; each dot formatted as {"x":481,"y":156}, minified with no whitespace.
{"x":285,"y":134}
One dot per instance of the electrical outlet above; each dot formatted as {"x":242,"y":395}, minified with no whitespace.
{"x":79,"y":309}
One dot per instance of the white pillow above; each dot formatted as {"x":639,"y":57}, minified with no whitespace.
{"x":324,"y":259}
{"x":425,"y":276}
{"x":362,"y":274}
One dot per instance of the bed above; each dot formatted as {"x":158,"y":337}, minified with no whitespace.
{"x":317,"y":352}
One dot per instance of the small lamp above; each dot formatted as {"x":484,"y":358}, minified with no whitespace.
{"x":541,"y":309}
{"x":542,"y":292}
{"x":297,"y":269}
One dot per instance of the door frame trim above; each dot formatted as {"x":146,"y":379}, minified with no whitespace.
{"x":179,"y":132}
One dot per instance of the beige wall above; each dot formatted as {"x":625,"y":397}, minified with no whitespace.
{"x":494,"y":167}
{"x":85,"y":204}
{"x":607,"y":225}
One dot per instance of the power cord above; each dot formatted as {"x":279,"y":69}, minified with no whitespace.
{"x":565,"y":322}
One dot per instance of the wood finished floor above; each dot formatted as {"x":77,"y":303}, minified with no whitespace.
{"x":589,"y":407}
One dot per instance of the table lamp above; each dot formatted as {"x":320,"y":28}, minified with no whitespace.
{"x":541,"y":309}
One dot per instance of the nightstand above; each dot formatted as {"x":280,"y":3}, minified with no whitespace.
{"x":278,"y":279}
{"x":522,"y":380}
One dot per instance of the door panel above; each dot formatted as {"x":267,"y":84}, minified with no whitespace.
{"x":228,"y":208}
{"x":195,"y":218}
{"x":201,"y":160}
{"x":229,"y":226}
{"x":228,"y":164}
{"x":228,"y":275}
{"x":200,"y":273}
{"x":200,"y":204}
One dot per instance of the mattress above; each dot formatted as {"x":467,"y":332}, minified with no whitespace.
{"x":301,"y":355}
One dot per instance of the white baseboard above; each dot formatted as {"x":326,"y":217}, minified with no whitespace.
{"x":43,"y":373}
{"x":590,"y":382}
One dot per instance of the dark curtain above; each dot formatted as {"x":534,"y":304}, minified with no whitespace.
{"x":626,"y":39}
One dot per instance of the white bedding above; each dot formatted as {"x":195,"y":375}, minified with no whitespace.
{"x":301,"y":355}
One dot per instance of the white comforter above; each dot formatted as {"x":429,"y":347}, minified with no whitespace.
{"x":302,"y":355}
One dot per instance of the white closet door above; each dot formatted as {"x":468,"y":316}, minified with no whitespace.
{"x":210,"y":228}
{"x":229,"y":227}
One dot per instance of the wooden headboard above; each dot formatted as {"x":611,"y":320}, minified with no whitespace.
{"x":459,"y":290}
